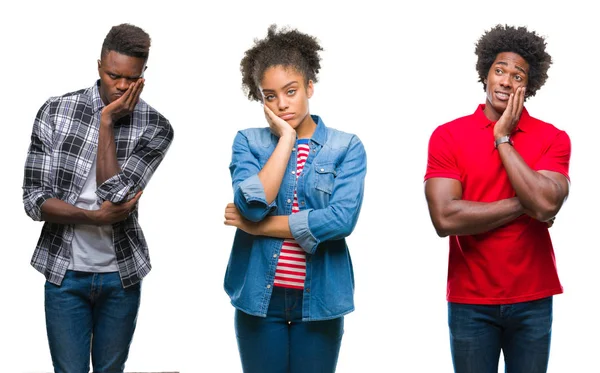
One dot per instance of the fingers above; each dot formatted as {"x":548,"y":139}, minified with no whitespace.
{"x":520,"y":101}
{"x":136,"y":197}
{"x":509,"y":105}
{"x":135,"y":90}
{"x":269,"y":113}
{"x":232,"y":215}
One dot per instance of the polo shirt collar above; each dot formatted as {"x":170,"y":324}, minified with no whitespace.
{"x":482,"y":121}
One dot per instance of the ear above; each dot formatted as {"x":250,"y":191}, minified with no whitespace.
{"x":485,"y":81}
{"x":310,"y":89}
{"x":99,"y":64}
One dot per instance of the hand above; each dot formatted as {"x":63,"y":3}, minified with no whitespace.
{"x":509,"y":119}
{"x":125,"y":104}
{"x":278,"y":126}
{"x":235,"y":219}
{"x":110,"y":213}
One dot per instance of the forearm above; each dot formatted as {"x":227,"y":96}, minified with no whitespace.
{"x":106,"y":157}
{"x":460,"y":217}
{"x":55,"y":210}
{"x":541,"y":196}
{"x":274,"y":226}
{"x":272,"y":173}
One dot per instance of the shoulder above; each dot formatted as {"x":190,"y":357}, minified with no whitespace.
{"x":543,"y":126}
{"x":67,"y":100}
{"x":257,"y":135}
{"x":152,"y":117}
{"x":339,"y":139}
{"x":457,"y":124}
{"x":547,"y":132}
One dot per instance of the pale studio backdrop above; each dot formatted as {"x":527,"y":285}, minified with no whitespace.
{"x":390,"y":74}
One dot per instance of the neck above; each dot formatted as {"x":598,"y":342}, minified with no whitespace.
{"x":306,"y":128}
{"x":490,"y":112}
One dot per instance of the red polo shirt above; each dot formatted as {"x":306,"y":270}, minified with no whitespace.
{"x":515,"y":262}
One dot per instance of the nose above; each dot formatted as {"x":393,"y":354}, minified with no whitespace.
{"x":122,"y":84}
{"x":505,"y":80}
{"x":283,"y":103}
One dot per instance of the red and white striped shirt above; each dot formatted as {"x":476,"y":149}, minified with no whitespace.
{"x":291,"y":267}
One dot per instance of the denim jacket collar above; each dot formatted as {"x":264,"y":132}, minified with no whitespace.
{"x":320,"y":134}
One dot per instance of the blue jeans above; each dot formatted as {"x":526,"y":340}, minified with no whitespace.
{"x":283,"y":343}
{"x":90,"y":312}
{"x":521,"y":330}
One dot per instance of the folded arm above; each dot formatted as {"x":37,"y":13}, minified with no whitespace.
{"x":542,"y":192}
{"x":451,"y":215}
{"x":310,"y":227}
{"x":135,"y":173}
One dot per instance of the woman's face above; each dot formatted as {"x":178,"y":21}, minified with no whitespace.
{"x":285,"y":93}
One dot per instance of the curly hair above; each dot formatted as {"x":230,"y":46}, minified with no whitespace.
{"x":519,"y":40}
{"x":127,"y":39}
{"x":289,"y":48}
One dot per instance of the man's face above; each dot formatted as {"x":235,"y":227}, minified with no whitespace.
{"x":286,"y":94}
{"x":508,"y":72}
{"x":117,"y":72}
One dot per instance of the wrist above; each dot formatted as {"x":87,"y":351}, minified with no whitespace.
{"x":256,"y":229}
{"x":500,"y":134}
{"x":106,"y":118}
{"x":288,"y":137}
{"x":92,"y":216}
{"x":502,"y":140}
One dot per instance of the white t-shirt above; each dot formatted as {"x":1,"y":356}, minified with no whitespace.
{"x":92,"y":247}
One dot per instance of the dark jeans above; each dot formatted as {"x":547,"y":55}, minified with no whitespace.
{"x":521,"y":330}
{"x":282,"y":342}
{"x":90,"y":312}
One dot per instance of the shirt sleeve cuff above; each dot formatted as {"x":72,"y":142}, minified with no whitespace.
{"x":251,"y":200}
{"x":301,"y":231}
{"x":115,"y":189}
{"x":35,"y":209}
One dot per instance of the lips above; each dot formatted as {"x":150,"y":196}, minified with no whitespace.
{"x":286,"y":116}
{"x":502,"y":96}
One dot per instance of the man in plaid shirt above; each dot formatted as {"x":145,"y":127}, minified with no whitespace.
{"x":92,"y":153}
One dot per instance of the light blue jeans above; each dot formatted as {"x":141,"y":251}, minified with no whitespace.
{"x":521,"y":330}
{"x":90,"y":312}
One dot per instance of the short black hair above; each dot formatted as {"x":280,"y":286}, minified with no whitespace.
{"x":127,"y":39}
{"x":519,"y":40}
{"x":286,"y":47}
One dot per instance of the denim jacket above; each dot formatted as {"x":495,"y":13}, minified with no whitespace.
{"x":330,"y":193}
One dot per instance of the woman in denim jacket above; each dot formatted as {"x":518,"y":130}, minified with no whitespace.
{"x":298,"y":189}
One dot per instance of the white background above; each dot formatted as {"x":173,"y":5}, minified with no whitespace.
{"x":390,"y":74}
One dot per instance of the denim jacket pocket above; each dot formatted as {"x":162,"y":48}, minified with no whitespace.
{"x":325,"y":177}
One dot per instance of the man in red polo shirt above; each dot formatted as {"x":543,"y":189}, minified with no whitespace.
{"x":495,"y":181}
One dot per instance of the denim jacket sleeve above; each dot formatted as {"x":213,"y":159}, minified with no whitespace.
{"x":37,"y":186}
{"x":310,"y":227}
{"x":248,"y":192}
{"x":137,"y":170}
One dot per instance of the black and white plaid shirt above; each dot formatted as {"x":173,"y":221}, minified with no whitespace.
{"x":63,"y":147}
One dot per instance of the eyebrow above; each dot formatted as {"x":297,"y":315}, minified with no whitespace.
{"x":516,"y":66}
{"x":284,"y":87}
{"x":108,"y":72}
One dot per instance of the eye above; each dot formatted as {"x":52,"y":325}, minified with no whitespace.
{"x":498,"y":71}
{"x":269,"y":97}
{"x":518,"y":78}
{"x":112,"y":76}
{"x":291,"y":92}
